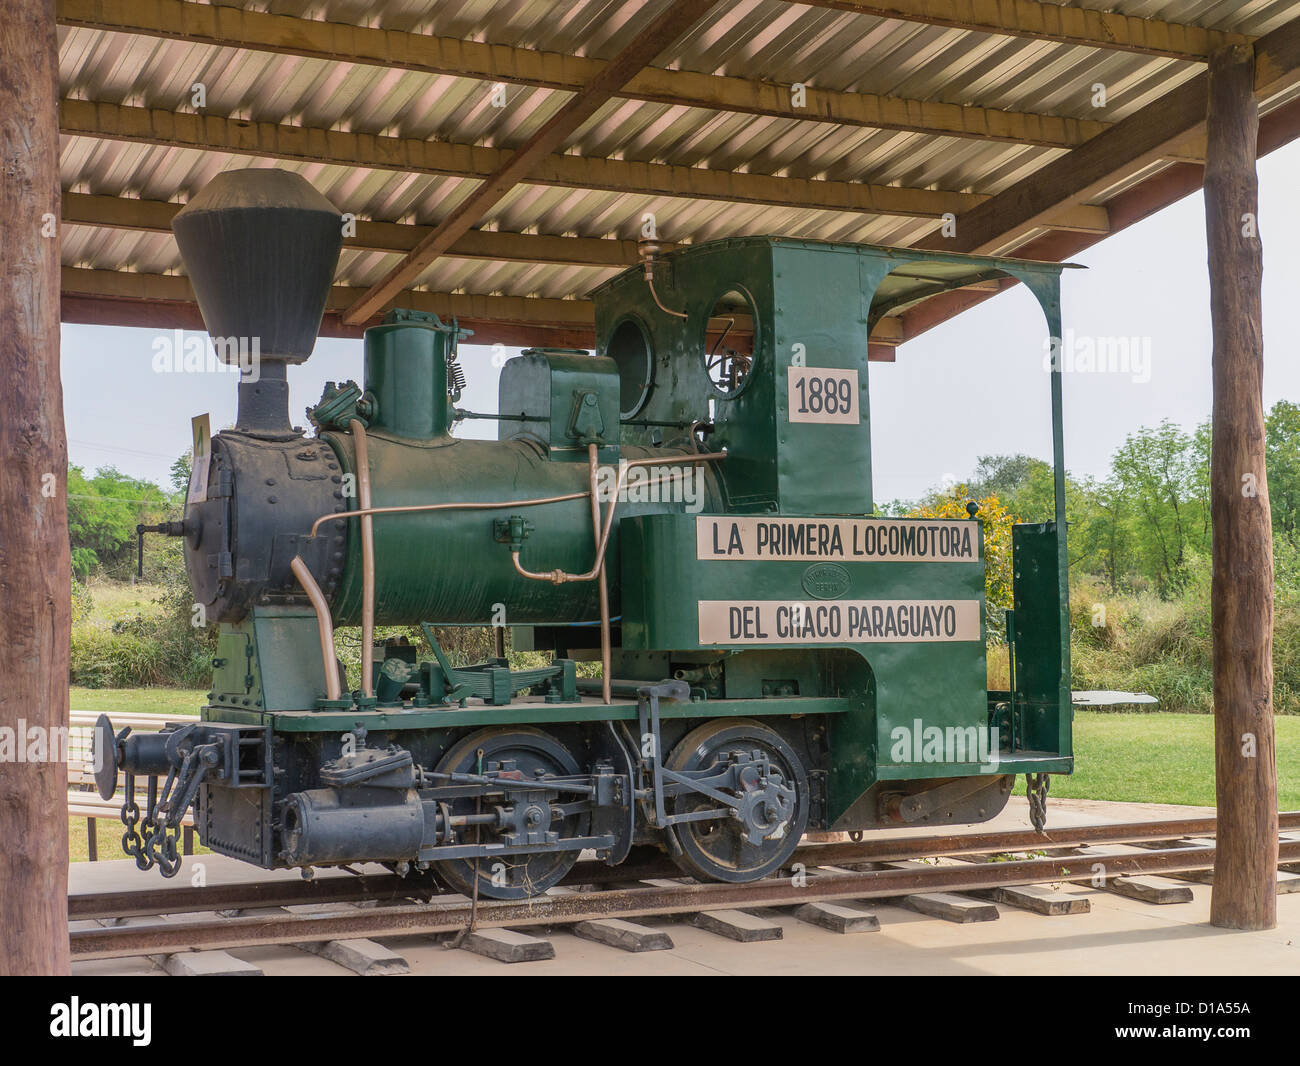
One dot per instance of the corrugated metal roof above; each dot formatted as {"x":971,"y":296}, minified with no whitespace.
{"x":769,"y":40}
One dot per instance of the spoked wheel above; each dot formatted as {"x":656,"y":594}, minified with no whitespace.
{"x":531,"y":753}
{"x":724,"y":849}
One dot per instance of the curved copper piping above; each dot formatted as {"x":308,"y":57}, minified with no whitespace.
{"x":407,"y":509}
{"x":367,"y":558}
{"x":323,"y":623}
{"x":503,"y":504}
{"x":606,"y":653}
{"x":650,"y":280}
{"x":560,"y":577}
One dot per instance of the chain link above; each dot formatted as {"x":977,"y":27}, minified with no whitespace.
{"x":133,"y":843}
{"x":1036,"y":786}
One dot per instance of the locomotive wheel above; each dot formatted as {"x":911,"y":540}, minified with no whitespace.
{"x":720,"y":850}
{"x":510,"y":876}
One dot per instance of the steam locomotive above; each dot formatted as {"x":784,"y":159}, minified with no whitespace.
{"x":737,"y":649}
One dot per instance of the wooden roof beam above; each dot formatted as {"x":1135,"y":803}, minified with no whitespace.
{"x":309,"y":144}
{"x":668,"y":27}
{"x":1050,"y":22}
{"x":269,"y":140}
{"x":1002,"y":223}
{"x":1279,"y":127}
{"x":154,"y":216}
{"x":166,"y":301}
{"x":231,"y":27}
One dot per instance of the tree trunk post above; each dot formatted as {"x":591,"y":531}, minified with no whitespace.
{"x":34,"y":553}
{"x":1245,"y":869}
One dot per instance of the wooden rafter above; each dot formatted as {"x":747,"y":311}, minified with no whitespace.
{"x":675,"y":20}
{"x":155,"y":216}
{"x":269,"y":140}
{"x":1001,"y":223}
{"x":230,"y":27}
{"x":129,"y":298}
{"x":175,"y":288}
{"x":1141,"y":200}
{"x":101,"y":303}
{"x":1049,"y":21}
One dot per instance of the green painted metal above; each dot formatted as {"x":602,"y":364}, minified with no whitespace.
{"x":519,"y":713}
{"x":897,"y":682}
{"x":406,"y":375}
{"x":814,"y":305}
{"x":271,"y":660}
{"x":1043,"y":719}
{"x":573,"y":396}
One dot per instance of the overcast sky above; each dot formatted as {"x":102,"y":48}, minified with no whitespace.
{"x":974,"y":386}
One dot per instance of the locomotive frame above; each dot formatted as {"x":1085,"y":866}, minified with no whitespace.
{"x":765,"y":661}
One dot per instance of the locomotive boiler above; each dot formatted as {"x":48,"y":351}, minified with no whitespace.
{"x":736,"y":649}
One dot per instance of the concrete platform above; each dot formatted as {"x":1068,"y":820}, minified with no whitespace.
{"x":1119,"y":936}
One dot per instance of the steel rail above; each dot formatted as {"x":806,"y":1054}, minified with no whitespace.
{"x":426,"y":920}
{"x":282,"y":892}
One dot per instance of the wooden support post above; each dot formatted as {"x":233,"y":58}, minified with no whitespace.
{"x":35,"y":570}
{"x":1245,"y":870}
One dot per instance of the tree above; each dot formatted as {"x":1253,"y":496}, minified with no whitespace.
{"x":102,"y":515}
{"x":1282,"y":449}
{"x":180,"y":475}
{"x":1004,"y":476}
{"x":1156,"y":472}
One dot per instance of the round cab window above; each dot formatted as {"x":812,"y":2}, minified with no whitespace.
{"x":729,"y":343}
{"x":629,"y":347}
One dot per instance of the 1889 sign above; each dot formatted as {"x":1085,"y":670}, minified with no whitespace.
{"x":823,"y":394}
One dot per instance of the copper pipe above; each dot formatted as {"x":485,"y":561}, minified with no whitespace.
{"x":323,"y":624}
{"x":650,"y":280}
{"x":409,"y":508}
{"x":606,"y":654}
{"x":479,"y":506}
{"x":367,"y":559}
{"x":560,"y":577}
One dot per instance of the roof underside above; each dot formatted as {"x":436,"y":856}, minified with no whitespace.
{"x":390,"y":110}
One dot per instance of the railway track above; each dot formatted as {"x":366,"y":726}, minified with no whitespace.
{"x":388,"y":888}
{"x":584,"y":900}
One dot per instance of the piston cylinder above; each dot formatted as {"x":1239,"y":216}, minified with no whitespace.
{"x":326,"y":825}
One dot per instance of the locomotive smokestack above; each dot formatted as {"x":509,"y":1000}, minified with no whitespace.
{"x":260,"y":248}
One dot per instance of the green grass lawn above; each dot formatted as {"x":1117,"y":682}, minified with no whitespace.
{"x":1163,"y":758}
{"x":139,"y":700}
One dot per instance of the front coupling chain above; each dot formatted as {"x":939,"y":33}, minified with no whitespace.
{"x":133,"y":843}
{"x":164,"y":851}
{"x":1036,"y":786}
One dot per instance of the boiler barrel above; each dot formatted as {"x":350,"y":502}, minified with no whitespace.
{"x":445,"y":566}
